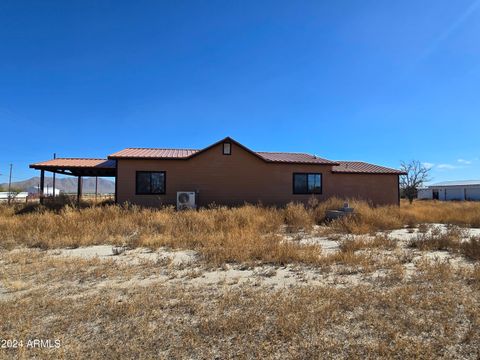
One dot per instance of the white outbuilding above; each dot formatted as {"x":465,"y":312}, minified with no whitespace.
{"x":14,"y":196}
{"x":452,"y":190}
{"x":47,"y":191}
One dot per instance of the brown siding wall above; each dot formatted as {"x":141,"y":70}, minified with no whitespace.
{"x":242,"y":177}
{"x":378,"y":189}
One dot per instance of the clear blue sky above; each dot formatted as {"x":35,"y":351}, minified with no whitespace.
{"x":379,"y":81}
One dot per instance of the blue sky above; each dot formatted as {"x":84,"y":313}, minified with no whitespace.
{"x":379,"y":81}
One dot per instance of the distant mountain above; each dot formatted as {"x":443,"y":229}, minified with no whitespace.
{"x":67,"y":185}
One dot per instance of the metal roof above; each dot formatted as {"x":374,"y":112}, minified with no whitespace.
{"x":360,"y":167}
{"x":456,"y":183}
{"x":158,"y":153}
{"x":76,"y":163}
{"x":109,"y":165}
{"x":153,"y":153}
{"x":78,"y":166}
{"x":284,"y":157}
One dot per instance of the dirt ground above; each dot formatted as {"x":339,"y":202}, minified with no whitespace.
{"x":390,"y":300}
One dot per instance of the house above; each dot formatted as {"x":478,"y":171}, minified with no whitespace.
{"x":229,"y":173}
{"x":451,"y":190}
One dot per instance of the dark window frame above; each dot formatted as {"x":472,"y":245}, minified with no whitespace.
{"x":307,"y":192}
{"x":137,"y":173}
{"x":223,"y":148}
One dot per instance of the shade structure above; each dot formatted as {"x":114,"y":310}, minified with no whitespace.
{"x":78,"y":167}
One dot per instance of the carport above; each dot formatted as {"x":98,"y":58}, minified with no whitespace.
{"x":78,"y":167}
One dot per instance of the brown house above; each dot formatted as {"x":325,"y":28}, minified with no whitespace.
{"x":229,"y":173}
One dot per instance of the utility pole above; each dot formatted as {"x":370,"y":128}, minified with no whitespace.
{"x":10,"y":184}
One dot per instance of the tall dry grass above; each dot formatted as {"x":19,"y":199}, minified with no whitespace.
{"x":220,"y":234}
{"x":368,"y":219}
{"x":463,"y":213}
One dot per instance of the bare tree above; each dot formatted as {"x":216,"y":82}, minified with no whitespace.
{"x":416,"y":175}
{"x":13,"y":193}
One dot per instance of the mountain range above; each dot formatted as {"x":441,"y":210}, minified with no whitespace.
{"x":67,"y":185}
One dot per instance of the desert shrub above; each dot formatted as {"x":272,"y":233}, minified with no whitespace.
{"x":437,"y":239}
{"x":319,"y":210}
{"x":350,"y":244}
{"x":383,"y":241}
{"x":297,"y":217}
{"x":471,"y":248}
{"x":354,"y":243}
{"x":368,"y":219}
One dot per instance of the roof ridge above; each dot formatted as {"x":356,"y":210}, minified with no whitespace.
{"x":76,"y":158}
{"x":363,"y":162}
{"x":284,"y":152}
{"x":152,"y":148}
{"x":455,"y":181}
{"x":357,"y":161}
{"x":258,"y":152}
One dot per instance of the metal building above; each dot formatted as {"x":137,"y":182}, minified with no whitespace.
{"x":452,"y":190}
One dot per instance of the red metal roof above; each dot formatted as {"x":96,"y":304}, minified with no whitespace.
{"x":285,"y":157}
{"x":153,"y":153}
{"x":158,"y":153}
{"x":76,"y":163}
{"x":360,"y":167}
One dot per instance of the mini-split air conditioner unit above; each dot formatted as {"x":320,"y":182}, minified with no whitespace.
{"x":186,"y":200}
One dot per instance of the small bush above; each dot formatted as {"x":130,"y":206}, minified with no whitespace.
{"x":352,"y":244}
{"x":471,"y":248}
{"x":437,"y":239}
{"x":297,"y":217}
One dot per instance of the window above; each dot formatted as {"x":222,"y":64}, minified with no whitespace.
{"x":150,"y":182}
{"x":227,"y":148}
{"x":307,"y":183}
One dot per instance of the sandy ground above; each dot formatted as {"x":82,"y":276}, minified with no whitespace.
{"x":174,"y":304}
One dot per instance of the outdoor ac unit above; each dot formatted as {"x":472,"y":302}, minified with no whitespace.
{"x":186,"y":200}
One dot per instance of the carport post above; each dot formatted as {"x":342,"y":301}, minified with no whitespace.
{"x":42,"y":185}
{"x":79,"y":190}
{"x":54,"y":156}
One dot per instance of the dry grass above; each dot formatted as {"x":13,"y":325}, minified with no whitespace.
{"x":375,"y":298}
{"x":471,"y":248}
{"x":360,"y":243}
{"x":369,"y":219}
{"x":435,"y":238}
{"x":434,"y":314}
{"x":220,"y":234}
{"x":462,"y":213}
{"x":454,"y":239}
{"x":298,"y":218}
{"x":248,"y":233}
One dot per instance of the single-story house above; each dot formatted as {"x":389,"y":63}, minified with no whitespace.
{"x":229,"y":173}
{"x":451,"y":190}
